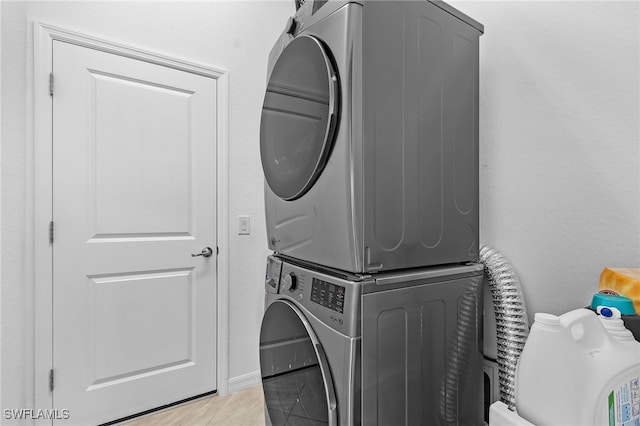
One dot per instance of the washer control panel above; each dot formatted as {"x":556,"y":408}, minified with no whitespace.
{"x":328,"y":295}
{"x":332,"y":299}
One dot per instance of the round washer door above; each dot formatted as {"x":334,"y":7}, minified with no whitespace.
{"x":299,"y":117}
{"x":297,"y":383}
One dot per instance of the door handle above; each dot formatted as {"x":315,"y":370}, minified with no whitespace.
{"x":206,"y":252}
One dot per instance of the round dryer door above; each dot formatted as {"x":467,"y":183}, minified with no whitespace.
{"x":299,"y":117}
{"x":297,"y":383}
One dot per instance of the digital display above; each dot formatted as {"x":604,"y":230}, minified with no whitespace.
{"x":328,"y":295}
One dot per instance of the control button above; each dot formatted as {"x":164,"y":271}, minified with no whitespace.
{"x":290,"y":282}
{"x":271,"y":282}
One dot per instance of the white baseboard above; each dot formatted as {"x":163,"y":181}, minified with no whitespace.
{"x":238,"y":383}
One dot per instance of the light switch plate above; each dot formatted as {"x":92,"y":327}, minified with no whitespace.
{"x":244,"y":225}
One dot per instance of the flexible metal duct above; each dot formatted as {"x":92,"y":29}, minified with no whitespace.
{"x":512,"y":323}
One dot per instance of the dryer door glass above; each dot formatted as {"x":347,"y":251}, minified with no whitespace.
{"x":296,"y":380}
{"x":299,"y":117}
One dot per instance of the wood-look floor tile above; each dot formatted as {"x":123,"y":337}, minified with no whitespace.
{"x":243,"y":408}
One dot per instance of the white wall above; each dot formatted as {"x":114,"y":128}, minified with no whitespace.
{"x":560,"y":142}
{"x":16,"y":304}
{"x":560,"y":158}
{"x":236,"y":36}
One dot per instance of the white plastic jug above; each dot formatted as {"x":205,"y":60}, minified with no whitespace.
{"x":573,"y":371}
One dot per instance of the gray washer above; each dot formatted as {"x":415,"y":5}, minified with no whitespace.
{"x":369,"y":136}
{"x":347,"y":349}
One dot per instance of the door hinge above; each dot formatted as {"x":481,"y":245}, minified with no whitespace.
{"x":51,"y":84}
{"x":217,"y":251}
{"x":51,"y":380}
{"x":51,"y":232}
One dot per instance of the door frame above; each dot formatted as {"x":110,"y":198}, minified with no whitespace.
{"x":44,"y":36}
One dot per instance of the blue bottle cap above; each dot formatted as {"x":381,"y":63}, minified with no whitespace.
{"x":621,"y":303}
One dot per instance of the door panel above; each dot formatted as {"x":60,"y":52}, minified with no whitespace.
{"x":134,"y":178}
{"x":132,"y":329}
{"x":127,"y":137}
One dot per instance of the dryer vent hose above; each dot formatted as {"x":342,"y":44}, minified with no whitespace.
{"x":512,"y":323}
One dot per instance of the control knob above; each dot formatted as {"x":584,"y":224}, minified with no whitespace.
{"x":290,"y":281}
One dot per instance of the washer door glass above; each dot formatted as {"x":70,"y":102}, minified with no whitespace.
{"x":296,"y":381}
{"x":299,"y":117}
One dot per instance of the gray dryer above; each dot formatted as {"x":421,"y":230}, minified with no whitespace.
{"x":369,"y":135}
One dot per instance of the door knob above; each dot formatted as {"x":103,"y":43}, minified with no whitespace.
{"x":206,"y":252}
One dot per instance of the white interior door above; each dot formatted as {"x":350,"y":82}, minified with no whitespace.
{"x":134,"y":196}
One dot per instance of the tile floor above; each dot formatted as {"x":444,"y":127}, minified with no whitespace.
{"x":242,"y":408}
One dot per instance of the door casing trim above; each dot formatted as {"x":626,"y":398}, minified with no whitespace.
{"x":44,"y":36}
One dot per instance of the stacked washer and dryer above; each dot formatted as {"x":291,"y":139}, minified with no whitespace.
{"x":369,"y":147}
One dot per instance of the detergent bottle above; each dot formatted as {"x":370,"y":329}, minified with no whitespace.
{"x":577,"y":370}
